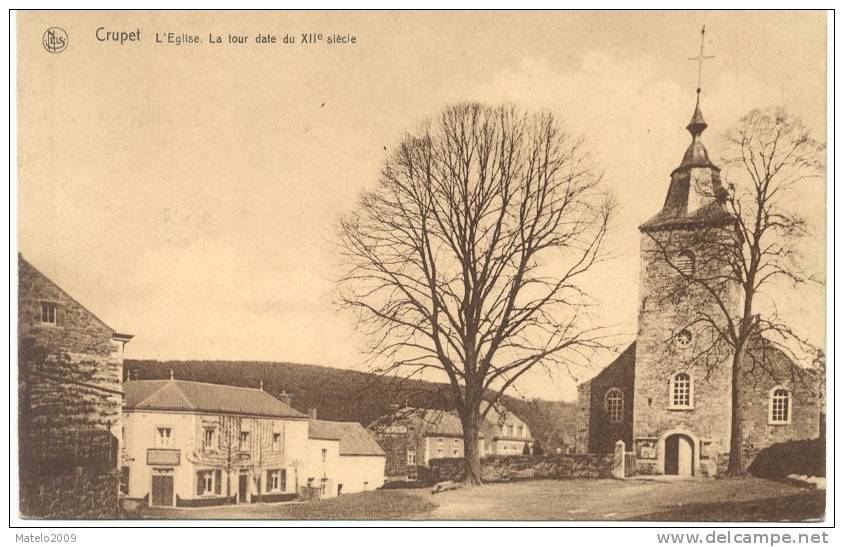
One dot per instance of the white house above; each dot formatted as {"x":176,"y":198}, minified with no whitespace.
{"x":197,"y":444}
{"x":344,"y":458}
{"x":505,"y":433}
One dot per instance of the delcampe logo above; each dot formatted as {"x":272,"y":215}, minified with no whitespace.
{"x":54,"y":40}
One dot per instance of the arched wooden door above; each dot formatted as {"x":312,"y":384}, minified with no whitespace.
{"x":679,"y":455}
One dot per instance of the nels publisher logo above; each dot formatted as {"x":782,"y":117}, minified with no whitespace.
{"x":54,"y":40}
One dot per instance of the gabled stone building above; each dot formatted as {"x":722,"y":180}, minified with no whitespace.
{"x":70,"y":369}
{"x":672,"y":410}
{"x":412,"y":437}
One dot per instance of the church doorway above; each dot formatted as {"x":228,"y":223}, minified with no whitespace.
{"x":679,"y":455}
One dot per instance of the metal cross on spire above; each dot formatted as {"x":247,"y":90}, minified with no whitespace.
{"x":700,"y":58}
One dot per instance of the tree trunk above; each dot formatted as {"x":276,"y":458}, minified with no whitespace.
{"x":228,"y":487}
{"x":735,"y":467}
{"x":471,"y":454}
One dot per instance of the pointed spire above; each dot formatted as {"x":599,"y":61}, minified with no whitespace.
{"x":261,"y":387}
{"x":697,"y":123}
{"x":171,"y":373}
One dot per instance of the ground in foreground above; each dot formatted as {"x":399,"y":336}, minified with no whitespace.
{"x":645,"y":499}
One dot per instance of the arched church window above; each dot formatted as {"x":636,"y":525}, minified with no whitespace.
{"x":681,"y":392}
{"x":685,"y":262}
{"x":780,"y":406}
{"x":614,"y":405}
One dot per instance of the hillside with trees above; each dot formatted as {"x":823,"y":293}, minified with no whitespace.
{"x":348,"y":395}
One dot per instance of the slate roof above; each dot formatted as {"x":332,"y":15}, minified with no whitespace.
{"x":354,"y":439}
{"x":712,"y":214}
{"x":430,"y":421}
{"x":201,"y":397}
{"x":626,"y":358}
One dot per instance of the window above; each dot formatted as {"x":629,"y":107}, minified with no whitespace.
{"x":614,"y":405}
{"x":276,"y":480}
{"x":681,"y":390}
{"x":209,"y":439}
{"x":49,"y":313}
{"x":324,"y":454}
{"x":455,"y":452}
{"x":411,"y":457}
{"x":323,"y":482}
{"x":440,"y":448}
{"x":520,"y":432}
{"x":685,"y":262}
{"x":277,"y":442}
{"x":683,"y":338}
{"x":244,"y":441}
{"x":780,"y":407}
{"x":204,"y":483}
{"x":164,"y":436}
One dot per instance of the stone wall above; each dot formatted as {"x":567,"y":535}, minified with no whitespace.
{"x":396,"y":445}
{"x":80,"y":494}
{"x":583,"y":418}
{"x":514,"y":468}
{"x":69,"y":388}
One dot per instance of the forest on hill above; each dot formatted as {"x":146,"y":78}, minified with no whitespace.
{"x":348,"y":395}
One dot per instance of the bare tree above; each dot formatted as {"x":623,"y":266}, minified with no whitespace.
{"x":230,"y":450}
{"x":467,"y":257}
{"x":750,"y":256}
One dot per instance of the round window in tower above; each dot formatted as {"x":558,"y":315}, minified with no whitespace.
{"x":683,"y":338}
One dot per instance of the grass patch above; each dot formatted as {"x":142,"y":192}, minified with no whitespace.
{"x":375,"y":505}
{"x":379,"y":505}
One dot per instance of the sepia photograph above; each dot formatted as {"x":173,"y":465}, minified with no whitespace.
{"x":420,"y":267}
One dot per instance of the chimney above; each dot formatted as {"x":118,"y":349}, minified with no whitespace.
{"x":312,"y":413}
{"x":285,"y":397}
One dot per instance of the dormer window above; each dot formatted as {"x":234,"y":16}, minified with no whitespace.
{"x":49,"y":313}
{"x":685,"y":262}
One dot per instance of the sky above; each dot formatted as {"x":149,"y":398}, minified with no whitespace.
{"x":189,"y":194}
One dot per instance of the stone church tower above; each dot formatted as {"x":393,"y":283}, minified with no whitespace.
{"x":668,"y":395}
{"x":681,"y":398}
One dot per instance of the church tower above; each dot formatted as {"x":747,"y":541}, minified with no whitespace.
{"x":681,"y":408}
{"x":668,"y":395}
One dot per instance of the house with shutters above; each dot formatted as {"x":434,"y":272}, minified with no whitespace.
{"x":198,"y":444}
{"x":192,"y":444}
